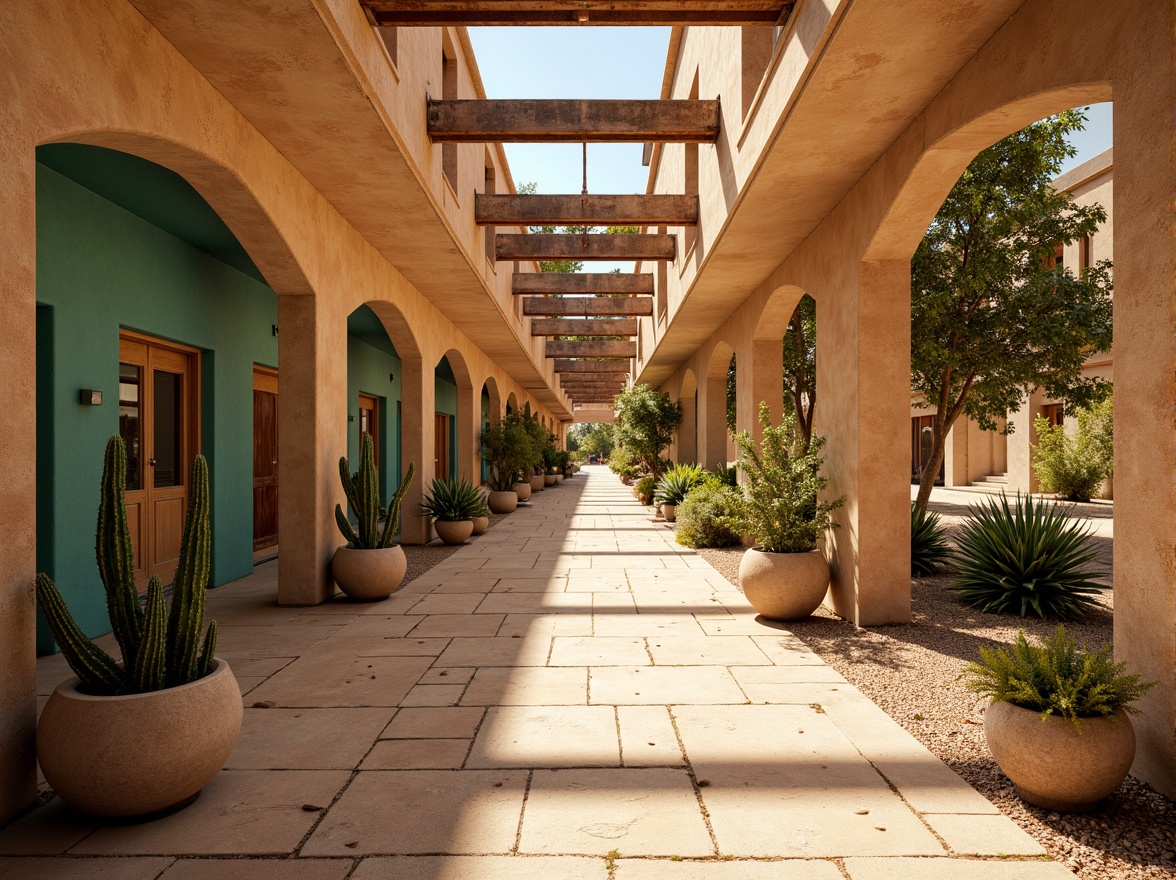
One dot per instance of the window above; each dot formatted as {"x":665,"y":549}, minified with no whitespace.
{"x":490,"y":188}
{"x":1085,"y":248}
{"x":449,"y":93}
{"x":662,"y":283}
{"x":390,"y":37}
{"x":1052,"y":413}
{"x":690,"y":182}
{"x":756,"y":44}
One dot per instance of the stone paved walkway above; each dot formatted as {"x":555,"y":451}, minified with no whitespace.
{"x":573,"y":696}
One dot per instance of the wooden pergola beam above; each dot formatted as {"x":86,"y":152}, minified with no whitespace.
{"x":569,"y":366}
{"x":588,"y":306}
{"x":585,"y":210}
{"x":596,"y":348}
{"x":648,"y":13}
{"x":584,"y":327}
{"x":582,"y":283}
{"x":595,"y":383}
{"x":602,"y":246}
{"x":573,"y":121}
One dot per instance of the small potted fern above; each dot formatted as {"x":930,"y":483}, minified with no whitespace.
{"x":1058,"y":724}
{"x":369,"y":567}
{"x":785,"y":575}
{"x":675,"y":485}
{"x":453,"y":504}
{"x":144,"y":736}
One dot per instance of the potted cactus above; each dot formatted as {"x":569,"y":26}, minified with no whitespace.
{"x":144,"y":736}
{"x":369,"y":567}
{"x":453,"y":504}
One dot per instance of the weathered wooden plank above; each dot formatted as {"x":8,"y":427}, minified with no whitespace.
{"x":584,"y":327}
{"x":573,"y":121}
{"x":585,"y":210}
{"x":646,"y":13}
{"x":569,"y":366}
{"x":596,"y":384}
{"x":595,"y":348}
{"x":582,"y":283}
{"x":588,"y":306}
{"x":602,"y":246}
{"x":593,"y":378}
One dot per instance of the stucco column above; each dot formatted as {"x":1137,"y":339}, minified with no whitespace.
{"x":18,"y":481}
{"x":685,"y":441}
{"x":955,"y":455}
{"x":863,"y":385}
{"x":712,"y":406}
{"x":312,"y":434}
{"x":1145,"y":385}
{"x":417,"y":411}
{"x":759,"y":379}
{"x":1020,"y":444}
{"x":469,"y":424}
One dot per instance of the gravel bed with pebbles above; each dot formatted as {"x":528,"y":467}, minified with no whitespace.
{"x":422,"y":557}
{"x":913,"y":672}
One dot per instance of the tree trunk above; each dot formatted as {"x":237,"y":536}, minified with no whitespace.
{"x":931,"y":467}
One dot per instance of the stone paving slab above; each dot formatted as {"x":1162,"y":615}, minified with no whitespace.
{"x":570,"y":696}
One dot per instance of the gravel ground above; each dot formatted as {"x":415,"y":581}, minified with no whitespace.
{"x":422,"y":557}
{"x":912,"y":671}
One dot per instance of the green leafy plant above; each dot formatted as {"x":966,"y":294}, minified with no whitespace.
{"x":506,"y":446}
{"x":1070,"y":465}
{"x":1027,"y":558}
{"x":541,"y":441}
{"x":623,"y":463}
{"x":929,"y":546}
{"x":452,"y":500}
{"x":677,"y":482}
{"x":727,"y":474}
{"x":646,"y":422}
{"x":1056,"y":679}
{"x":644,"y":489}
{"x":706,"y":516}
{"x":363,"y":495}
{"x":160,"y":647}
{"x":782,"y":512}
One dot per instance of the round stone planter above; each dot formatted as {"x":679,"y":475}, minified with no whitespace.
{"x":522,"y":490}
{"x":481,"y":523}
{"x":537,"y":483}
{"x":369,"y":575}
{"x":549,"y":479}
{"x":784,"y":586}
{"x":1054,"y":766}
{"x":669,"y":511}
{"x":454,"y":531}
{"x":139,"y":754}
{"x":559,"y":478}
{"x":503,"y":502}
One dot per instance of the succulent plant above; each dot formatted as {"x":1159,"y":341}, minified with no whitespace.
{"x":363,"y":495}
{"x":453,"y":500}
{"x":160,"y":648}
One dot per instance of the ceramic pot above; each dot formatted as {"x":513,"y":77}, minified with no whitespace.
{"x":503,"y":502}
{"x":1054,"y":766}
{"x":369,"y":575}
{"x":481,"y":523}
{"x":139,"y":754}
{"x":784,"y":586}
{"x":537,"y":483}
{"x":523,"y":490}
{"x":549,"y":479}
{"x":559,"y":478}
{"x":669,"y":511}
{"x":454,"y":531}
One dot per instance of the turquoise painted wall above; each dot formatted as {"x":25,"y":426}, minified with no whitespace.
{"x":101,"y":269}
{"x":368,"y":369}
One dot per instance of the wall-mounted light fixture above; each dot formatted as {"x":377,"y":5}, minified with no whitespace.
{"x":90,"y":397}
{"x":351,"y":418}
{"x":274,"y":329}
{"x":391,"y":378}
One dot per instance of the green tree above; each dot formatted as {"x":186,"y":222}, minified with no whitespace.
{"x":992,"y":316}
{"x":565,"y":267}
{"x":646,"y":421}
{"x":800,"y":368}
{"x":593,"y":438}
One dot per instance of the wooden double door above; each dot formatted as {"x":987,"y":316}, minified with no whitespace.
{"x":158,"y":419}
{"x":265,"y":459}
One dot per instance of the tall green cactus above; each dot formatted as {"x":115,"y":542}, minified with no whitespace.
{"x":363,"y":495}
{"x":159,"y":649}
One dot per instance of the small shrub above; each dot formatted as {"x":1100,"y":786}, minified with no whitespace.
{"x":1070,"y":466}
{"x":1030,"y":557}
{"x":623,"y":463}
{"x":677,"y":482}
{"x":928,"y":542}
{"x":705,"y":516}
{"x":644,"y":489}
{"x":1056,"y":679}
{"x":727,"y":474}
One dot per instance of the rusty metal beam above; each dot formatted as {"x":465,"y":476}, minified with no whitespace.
{"x":584,"y":327}
{"x":588,"y":306}
{"x":582,"y":380}
{"x":573,"y":121}
{"x":570,"y":366}
{"x":648,"y":13}
{"x":602,"y":348}
{"x":585,"y":210}
{"x":582,"y":283}
{"x":602,"y":246}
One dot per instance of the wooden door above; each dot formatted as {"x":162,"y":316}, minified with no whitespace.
{"x":158,"y":406}
{"x":265,"y":458}
{"x":369,"y":423}
{"x":441,"y":446}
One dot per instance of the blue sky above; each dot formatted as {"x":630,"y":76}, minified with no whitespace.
{"x":613,"y":62}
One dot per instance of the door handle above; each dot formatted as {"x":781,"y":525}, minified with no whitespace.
{"x":151,"y":462}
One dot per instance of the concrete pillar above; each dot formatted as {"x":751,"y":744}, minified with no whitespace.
{"x":760,"y":378}
{"x":312,"y":434}
{"x":1145,"y":385}
{"x":417,"y":412}
{"x":469,"y":425}
{"x":712,"y":419}
{"x":1020,"y":444}
{"x":863,"y":385}
{"x":955,"y":455}
{"x":686,"y":440}
{"x":18,"y":481}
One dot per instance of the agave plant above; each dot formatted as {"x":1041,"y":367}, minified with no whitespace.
{"x":1025,"y":558}
{"x":677,"y":482}
{"x":161,"y":648}
{"x":453,"y":500}
{"x":929,"y":546}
